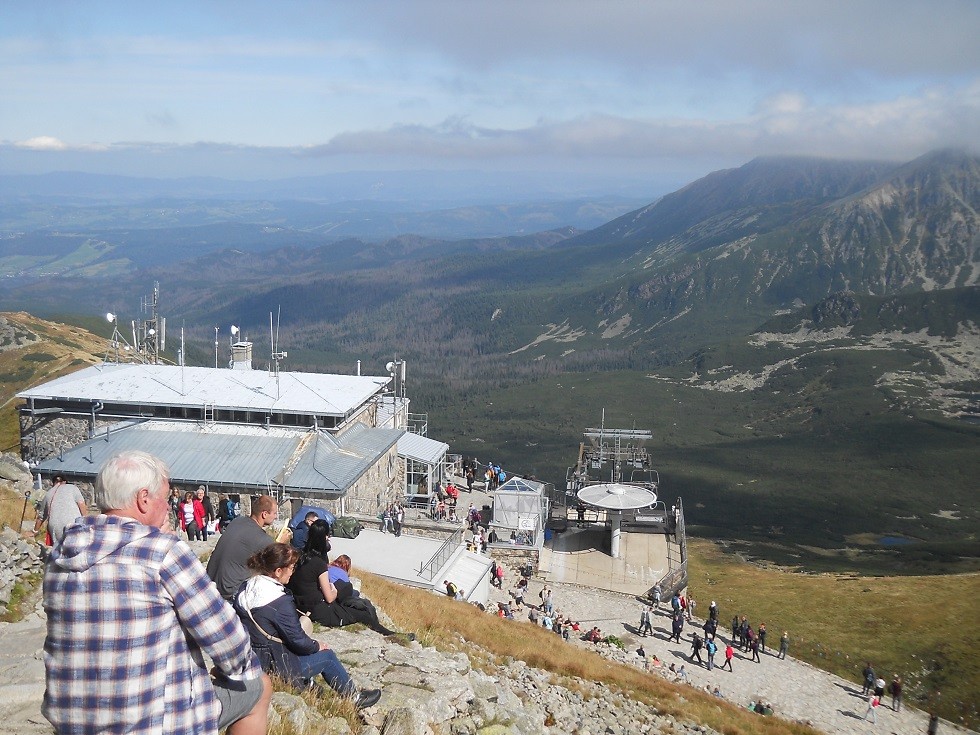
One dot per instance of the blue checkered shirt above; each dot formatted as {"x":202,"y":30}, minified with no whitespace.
{"x":130,"y":610}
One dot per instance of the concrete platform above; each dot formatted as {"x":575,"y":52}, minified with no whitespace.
{"x":581,"y":556}
{"x":397,"y":558}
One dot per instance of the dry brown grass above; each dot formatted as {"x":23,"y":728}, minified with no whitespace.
{"x":453,"y":626}
{"x":12,"y":508}
{"x":61,"y":349}
{"x":326,"y":705}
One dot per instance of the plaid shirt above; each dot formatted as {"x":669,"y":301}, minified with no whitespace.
{"x":130,"y":610}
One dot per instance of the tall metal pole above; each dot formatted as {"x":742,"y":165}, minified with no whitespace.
{"x":216,"y":347}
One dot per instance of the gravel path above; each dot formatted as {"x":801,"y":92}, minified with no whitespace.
{"x":796,"y":690}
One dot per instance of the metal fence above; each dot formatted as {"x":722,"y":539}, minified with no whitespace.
{"x":438,"y":561}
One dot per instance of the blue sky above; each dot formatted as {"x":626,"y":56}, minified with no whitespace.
{"x":642,"y":89}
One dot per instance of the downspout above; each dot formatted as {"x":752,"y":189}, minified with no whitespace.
{"x":96,"y":407}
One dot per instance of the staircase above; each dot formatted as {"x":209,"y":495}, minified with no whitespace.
{"x":470,"y":572}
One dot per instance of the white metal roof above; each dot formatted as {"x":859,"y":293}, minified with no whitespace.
{"x":254,"y":390}
{"x":421,"y":449}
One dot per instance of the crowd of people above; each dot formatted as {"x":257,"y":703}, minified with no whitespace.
{"x":195,"y":514}
{"x":132,"y":614}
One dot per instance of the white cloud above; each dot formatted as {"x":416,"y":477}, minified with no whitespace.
{"x":43,"y":143}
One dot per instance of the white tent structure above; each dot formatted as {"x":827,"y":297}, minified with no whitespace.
{"x":520,"y":510}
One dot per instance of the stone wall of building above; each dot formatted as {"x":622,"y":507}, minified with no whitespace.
{"x":377,"y":487}
{"x":44,"y":437}
{"x":515,"y":556}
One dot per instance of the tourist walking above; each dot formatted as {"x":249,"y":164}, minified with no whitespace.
{"x":784,"y":644}
{"x":729,"y":655}
{"x":712,"y":649}
{"x":869,"y":679}
{"x":895,"y":689}
{"x":646,"y":627}
{"x":677,"y":626}
{"x":696,"y":645}
{"x":61,"y":507}
{"x":873,"y":703}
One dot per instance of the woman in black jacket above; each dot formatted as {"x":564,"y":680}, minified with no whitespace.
{"x":330,"y":603}
{"x":278,"y":639}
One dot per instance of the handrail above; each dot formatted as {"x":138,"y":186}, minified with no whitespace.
{"x":443,"y":555}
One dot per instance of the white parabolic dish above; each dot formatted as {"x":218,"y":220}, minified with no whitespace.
{"x":617,"y":496}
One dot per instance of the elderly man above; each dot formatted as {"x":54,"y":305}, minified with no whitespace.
{"x":243,"y":537}
{"x":131,"y":614}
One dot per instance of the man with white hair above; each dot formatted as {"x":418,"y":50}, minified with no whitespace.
{"x":130,"y":615}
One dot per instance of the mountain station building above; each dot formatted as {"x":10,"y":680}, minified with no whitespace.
{"x":343,"y":442}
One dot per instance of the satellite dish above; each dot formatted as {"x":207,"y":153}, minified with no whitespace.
{"x":234,"y":329}
{"x":390,"y":366}
{"x":110,"y":317}
{"x":152,"y":332}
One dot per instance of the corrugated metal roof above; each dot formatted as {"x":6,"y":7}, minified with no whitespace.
{"x":171,"y":385}
{"x":239,"y":456}
{"x":421,"y":448}
{"x":336,"y":462}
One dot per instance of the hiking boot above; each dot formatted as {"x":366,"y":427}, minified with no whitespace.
{"x":367,"y":698}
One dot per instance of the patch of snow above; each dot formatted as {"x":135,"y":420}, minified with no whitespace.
{"x":556,"y":333}
{"x":617,"y":327}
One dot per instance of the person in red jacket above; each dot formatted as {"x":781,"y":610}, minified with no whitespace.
{"x":192,"y":517}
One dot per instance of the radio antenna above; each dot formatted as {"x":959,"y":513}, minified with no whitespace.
{"x":274,"y":338}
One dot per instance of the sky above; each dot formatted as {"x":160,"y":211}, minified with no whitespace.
{"x":646,"y":91}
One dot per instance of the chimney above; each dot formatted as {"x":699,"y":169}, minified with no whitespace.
{"x":241,"y":356}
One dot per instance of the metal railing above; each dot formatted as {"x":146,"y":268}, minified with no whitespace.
{"x":444,"y":554}
{"x":676,"y":579}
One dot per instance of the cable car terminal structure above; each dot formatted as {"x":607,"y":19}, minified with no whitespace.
{"x":610,"y":529}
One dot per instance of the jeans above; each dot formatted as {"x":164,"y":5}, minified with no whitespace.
{"x":326,"y":663}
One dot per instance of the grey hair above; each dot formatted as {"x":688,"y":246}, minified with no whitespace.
{"x":124,"y":475}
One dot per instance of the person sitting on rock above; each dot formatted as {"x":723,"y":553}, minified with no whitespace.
{"x":277,"y":637}
{"x":330,"y":603}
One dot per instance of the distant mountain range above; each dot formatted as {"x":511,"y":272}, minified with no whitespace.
{"x":718,"y":257}
{"x":784,"y":328}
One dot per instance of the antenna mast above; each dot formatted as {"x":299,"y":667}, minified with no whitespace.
{"x":274,"y":338}
{"x":150,"y":333}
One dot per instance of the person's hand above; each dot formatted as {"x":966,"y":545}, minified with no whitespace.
{"x":324,"y":646}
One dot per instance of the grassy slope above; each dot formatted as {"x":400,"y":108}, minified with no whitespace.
{"x":61,"y":349}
